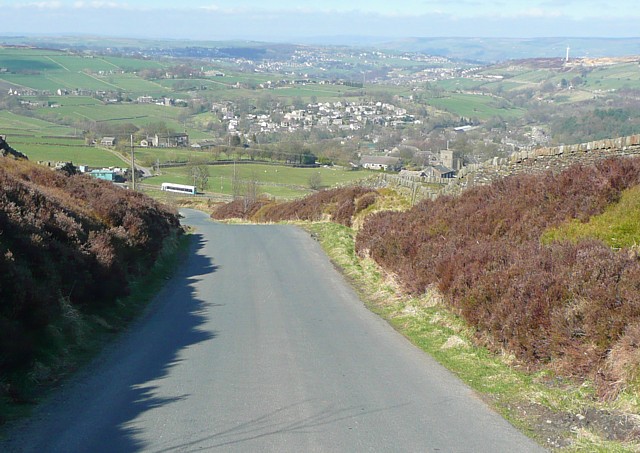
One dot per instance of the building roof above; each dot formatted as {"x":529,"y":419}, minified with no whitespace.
{"x":442,"y":169}
{"x":379,"y":160}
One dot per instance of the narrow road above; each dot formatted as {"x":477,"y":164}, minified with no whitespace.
{"x":259,"y":345}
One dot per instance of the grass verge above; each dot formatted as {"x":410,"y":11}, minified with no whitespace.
{"x":558,"y":413}
{"x":618,"y":226}
{"x":77,"y":337}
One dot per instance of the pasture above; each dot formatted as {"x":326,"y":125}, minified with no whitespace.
{"x":79,"y":154}
{"x":50,"y":70}
{"x":614,"y":77}
{"x":475,"y":106}
{"x":272,"y":180}
{"x":13,"y":124}
{"x":459,"y":84}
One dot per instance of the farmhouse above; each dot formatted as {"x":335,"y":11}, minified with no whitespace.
{"x":108,"y":141}
{"x":379,"y":162}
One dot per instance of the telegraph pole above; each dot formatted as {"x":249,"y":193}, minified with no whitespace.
{"x":133,"y":166}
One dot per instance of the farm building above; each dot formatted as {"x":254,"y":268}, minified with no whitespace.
{"x":170,"y":140}
{"x":440,"y":171}
{"x":108,"y":141}
{"x":107,"y":175}
{"x":380,"y":162}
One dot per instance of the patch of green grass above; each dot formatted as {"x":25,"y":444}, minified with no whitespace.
{"x":18,"y":124}
{"x":459,"y":84}
{"x":478,"y":106}
{"x":618,"y":226}
{"x":79,"y":155}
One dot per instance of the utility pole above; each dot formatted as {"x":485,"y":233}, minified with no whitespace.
{"x":133,"y":166}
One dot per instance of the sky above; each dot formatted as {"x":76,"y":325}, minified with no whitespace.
{"x":291,"y":21}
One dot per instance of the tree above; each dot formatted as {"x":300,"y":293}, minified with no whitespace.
{"x":298,"y":103}
{"x":235,"y":140}
{"x":200,"y":175}
{"x":307,"y":158}
{"x":315,"y":180}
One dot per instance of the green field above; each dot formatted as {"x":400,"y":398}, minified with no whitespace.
{"x":273,"y":180}
{"x":475,"y":106}
{"x":52,"y":70}
{"x":18,"y":124}
{"x":459,"y":84}
{"x":138,"y":114}
{"x":615,"y":77}
{"x":79,"y":155}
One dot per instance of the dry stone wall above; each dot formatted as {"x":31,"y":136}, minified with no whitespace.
{"x":538,"y":160}
{"x":556,"y":159}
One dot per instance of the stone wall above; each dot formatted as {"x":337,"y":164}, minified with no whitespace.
{"x":556,"y":159}
{"x":538,"y":160}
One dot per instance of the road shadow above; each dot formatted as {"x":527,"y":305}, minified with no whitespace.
{"x":173,"y":327}
{"x":95,"y":412}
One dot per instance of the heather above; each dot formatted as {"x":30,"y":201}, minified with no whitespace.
{"x":337,"y":205}
{"x":69,"y":247}
{"x":571,"y":306}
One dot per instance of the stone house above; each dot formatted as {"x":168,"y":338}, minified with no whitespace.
{"x":380,"y":163}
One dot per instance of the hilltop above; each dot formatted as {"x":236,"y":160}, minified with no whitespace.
{"x":495,"y":50}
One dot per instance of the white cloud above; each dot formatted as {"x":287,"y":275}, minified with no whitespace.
{"x":39,"y":5}
{"x":102,"y":5}
{"x":539,"y":13}
{"x":227,"y":10}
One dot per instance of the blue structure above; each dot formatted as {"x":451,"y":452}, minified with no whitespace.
{"x":107,"y":175}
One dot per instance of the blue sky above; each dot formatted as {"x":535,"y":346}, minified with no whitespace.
{"x":280,"y":20}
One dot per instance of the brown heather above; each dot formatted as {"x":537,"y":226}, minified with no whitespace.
{"x":571,"y":307}
{"x":71,"y":239}
{"x":337,"y":205}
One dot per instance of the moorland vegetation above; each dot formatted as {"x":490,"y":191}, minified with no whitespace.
{"x":70,"y":247}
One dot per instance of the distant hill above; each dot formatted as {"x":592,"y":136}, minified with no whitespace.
{"x":481,"y":50}
{"x":492,"y":50}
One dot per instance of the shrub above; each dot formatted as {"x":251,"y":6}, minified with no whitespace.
{"x":66,"y":238}
{"x":338,"y":205}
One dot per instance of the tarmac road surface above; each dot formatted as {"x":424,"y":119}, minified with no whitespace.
{"x":259,"y":345}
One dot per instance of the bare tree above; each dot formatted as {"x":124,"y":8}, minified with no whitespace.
{"x":251,"y":191}
{"x":245,"y":189}
{"x":200,"y":175}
